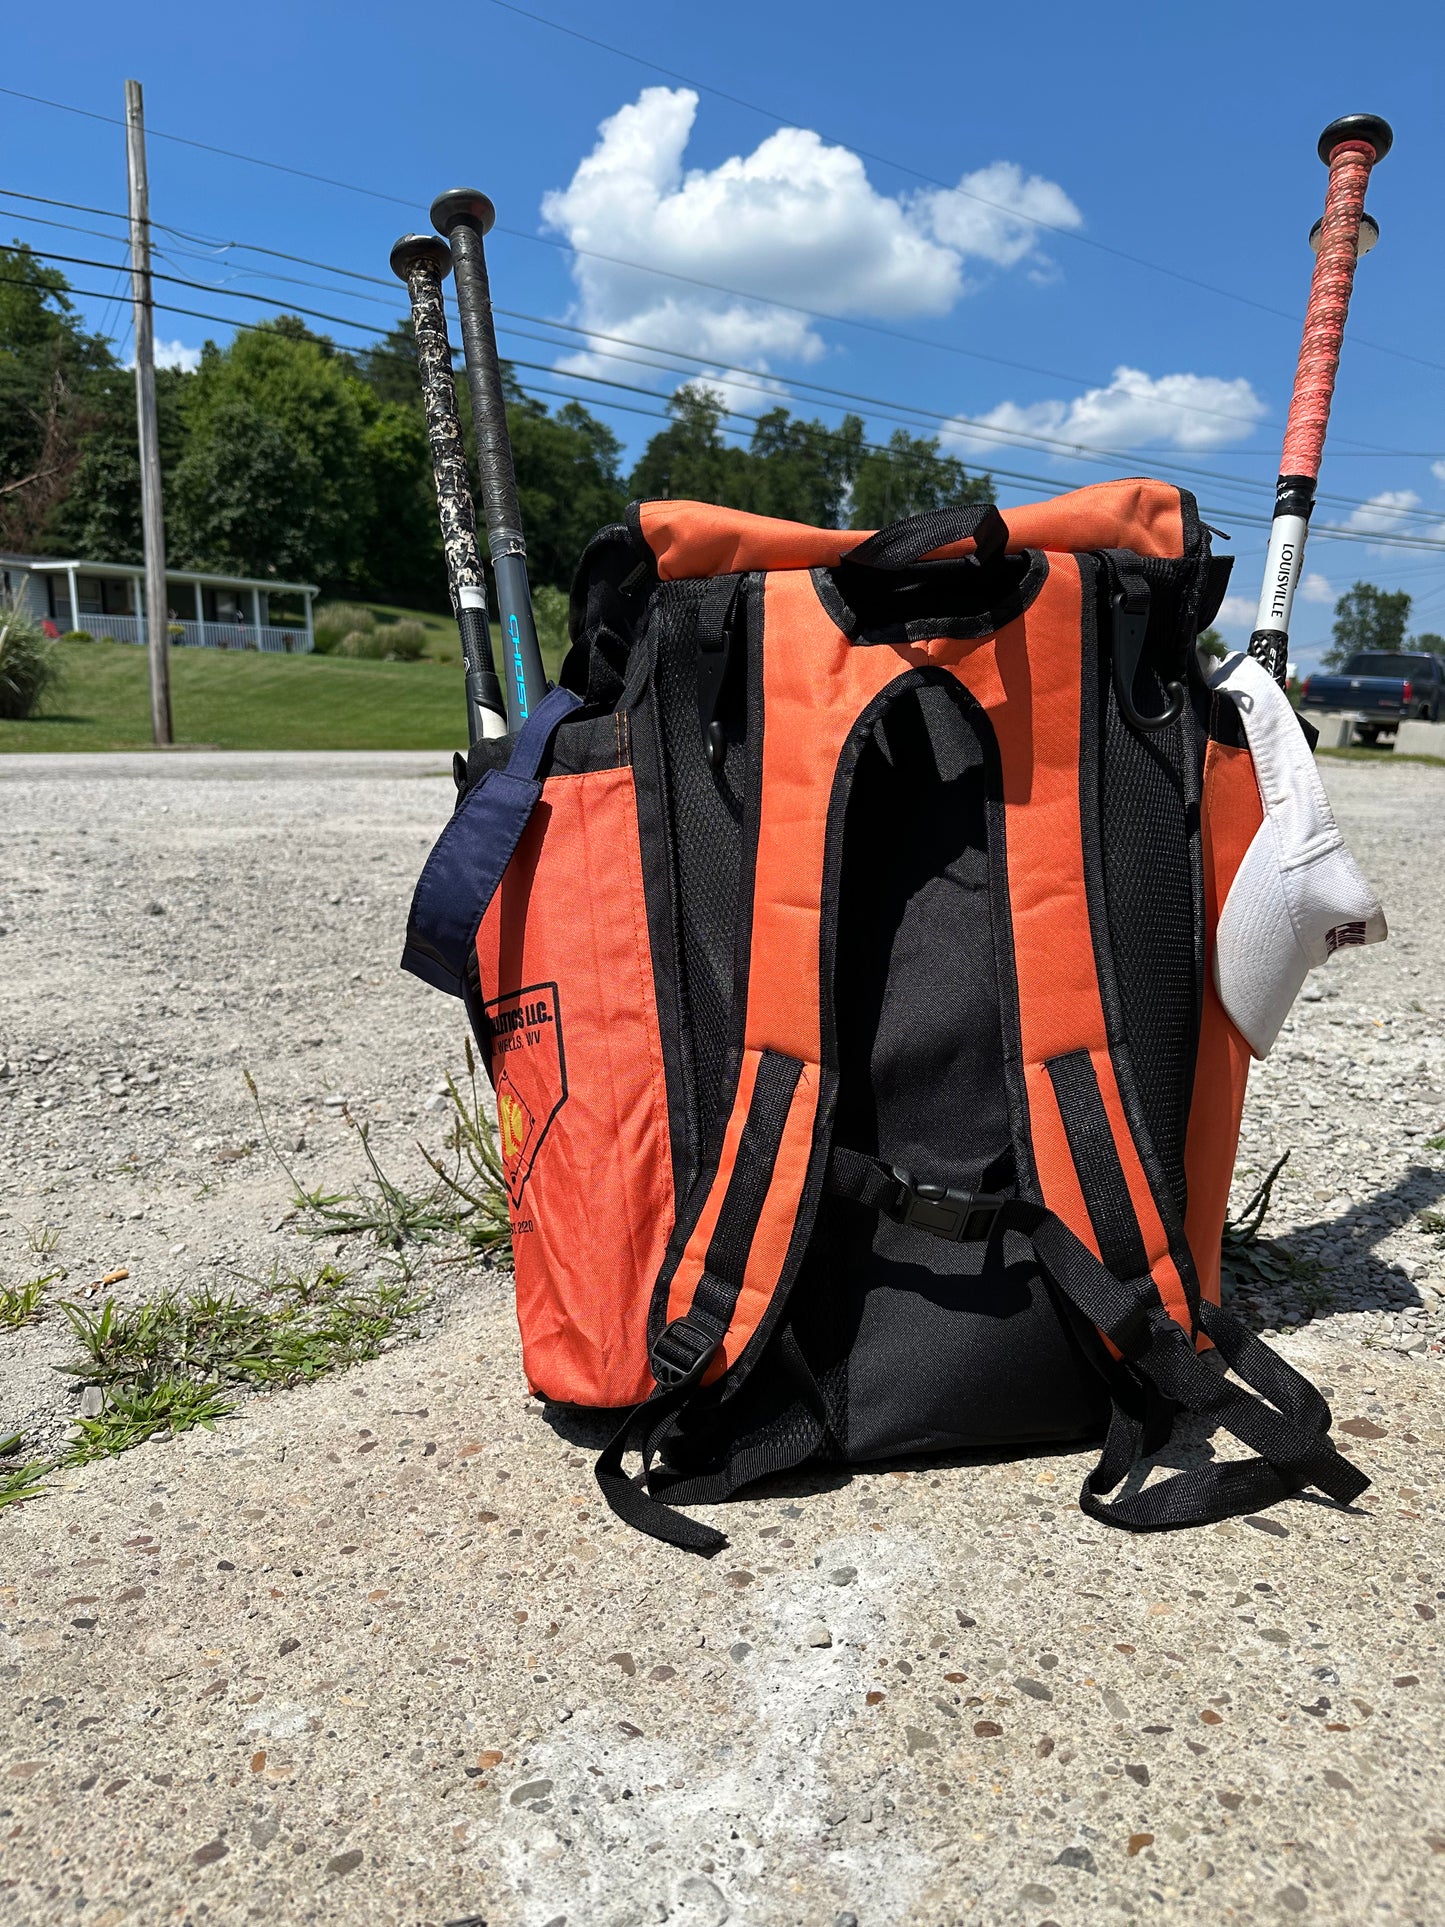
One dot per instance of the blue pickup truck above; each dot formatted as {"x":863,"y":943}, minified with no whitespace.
{"x":1379,"y":689}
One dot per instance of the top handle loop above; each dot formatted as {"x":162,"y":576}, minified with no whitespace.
{"x":907,"y":542}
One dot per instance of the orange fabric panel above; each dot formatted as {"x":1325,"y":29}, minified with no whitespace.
{"x":582,"y":1107}
{"x":1231,"y":813}
{"x":698,"y":539}
{"x":1028,"y":678}
{"x":816,"y":684}
{"x":1137,"y":514}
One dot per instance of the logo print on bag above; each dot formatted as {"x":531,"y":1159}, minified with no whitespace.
{"x":529,"y":1070}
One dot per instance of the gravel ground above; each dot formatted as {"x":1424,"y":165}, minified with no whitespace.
{"x":374,"y":1650}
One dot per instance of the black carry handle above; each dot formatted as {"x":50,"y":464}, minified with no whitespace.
{"x":907,"y":542}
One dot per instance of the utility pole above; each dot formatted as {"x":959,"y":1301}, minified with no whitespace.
{"x":152,"y":512}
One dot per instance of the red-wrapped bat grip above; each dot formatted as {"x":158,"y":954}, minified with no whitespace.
{"x":1319,"y":359}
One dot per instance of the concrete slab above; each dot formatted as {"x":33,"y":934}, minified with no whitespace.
{"x":1416,"y":738}
{"x":376,"y":1652}
{"x":1337,"y":730}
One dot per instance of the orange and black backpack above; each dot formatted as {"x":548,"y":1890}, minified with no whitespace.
{"x":838,"y":935}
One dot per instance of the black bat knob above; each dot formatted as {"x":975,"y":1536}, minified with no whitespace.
{"x":417,"y":250}
{"x":462,"y":204}
{"x":1352,"y":127}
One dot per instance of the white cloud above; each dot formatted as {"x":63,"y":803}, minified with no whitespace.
{"x":172,"y":354}
{"x":1315,"y":588}
{"x":1135,"y":411}
{"x":1437,"y":469}
{"x":993,"y":213}
{"x":175,"y":354}
{"x":1237,"y":613}
{"x":1384,"y":513}
{"x":797,"y":220}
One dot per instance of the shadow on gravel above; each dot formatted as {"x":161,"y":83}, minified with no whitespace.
{"x":1327,"y":1268}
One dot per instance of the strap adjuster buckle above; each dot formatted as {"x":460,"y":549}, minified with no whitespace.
{"x":943,"y":1211}
{"x":680,"y":1352}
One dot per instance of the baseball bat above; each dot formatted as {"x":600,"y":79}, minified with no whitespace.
{"x":464,"y":216}
{"x":421,"y":261}
{"x":1349,"y":148}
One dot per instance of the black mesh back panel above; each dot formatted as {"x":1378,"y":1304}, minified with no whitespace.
{"x":1146,"y":822}
{"x":911,"y":1343}
{"x":706,"y":843}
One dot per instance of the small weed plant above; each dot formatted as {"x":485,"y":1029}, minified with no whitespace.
{"x":22,"y":1482}
{"x":476,"y":1179}
{"x":469,"y":1199}
{"x":181,"y":1361}
{"x":20,"y":1304}
{"x":41,"y":1239}
{"x":1250,"y":1260}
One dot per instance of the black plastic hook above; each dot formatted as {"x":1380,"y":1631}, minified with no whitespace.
{"x":1131,"y":623}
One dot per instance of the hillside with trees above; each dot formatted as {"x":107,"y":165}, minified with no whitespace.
{"x":286,"y":454}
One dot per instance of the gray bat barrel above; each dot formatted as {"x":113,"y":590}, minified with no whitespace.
{"x":421,"y":261}
{"x":464,"y":215}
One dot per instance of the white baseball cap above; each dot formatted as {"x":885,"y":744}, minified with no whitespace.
{"x":1298,"y":896}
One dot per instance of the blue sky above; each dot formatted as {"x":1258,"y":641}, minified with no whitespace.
{"x":1003,"y":214}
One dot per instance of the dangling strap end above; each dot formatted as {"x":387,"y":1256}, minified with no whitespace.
{"x":681,"y":1354}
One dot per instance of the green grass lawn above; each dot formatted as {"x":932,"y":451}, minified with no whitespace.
{"x":240,"y":699}
{"x":243,"y":700}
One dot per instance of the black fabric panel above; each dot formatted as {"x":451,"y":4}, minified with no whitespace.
{"x":957,"y":1347}
{"x":1096,"y":1159}
{"x":916,"y":1343}
{"x":707,"y":837}
{"x":1148,"y":822}
{"x":915,"y":996}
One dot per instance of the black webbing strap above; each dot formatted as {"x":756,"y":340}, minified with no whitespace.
{"x":1096,"y":1159}
{"x":714,"y":654}
{"x":1289,"y":1432}
{"x":683,"y":1350}
{"x":1142,"y":1417}
{"x":1161,"y":1371}
{"x":946,"y":1211}
{"x":905,"y":543}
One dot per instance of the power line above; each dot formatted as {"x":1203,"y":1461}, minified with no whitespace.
{"x":1004,"y":438}
{"x":352,"y":187}
{"x":1081,"y":451}
{"x":948,"y":187}
{"x":1052,"y":374}
{"x":239,"y":294}
{"x":847,"y":321}
{"x":205,"y":147}
{"x":1402,"y":542}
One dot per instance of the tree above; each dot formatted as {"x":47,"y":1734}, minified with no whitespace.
{"x":689,"y":461}
{"x":801,"y":471}
{"x":100,"y":516}
{"x":1367,"y":618}
{"x":58,"y":385}
{"x":274,"y":479}
{"x":567,"y":482}
{"x":1212,"y":644}
{"x":909,"y":477}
